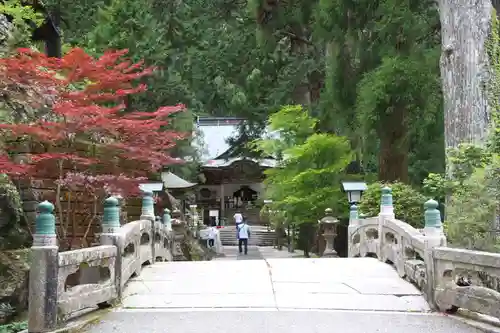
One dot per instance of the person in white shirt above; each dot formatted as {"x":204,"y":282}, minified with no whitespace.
{"x":243,"y":236}
{"x":238,"y":218}
{"x":212,"y":233}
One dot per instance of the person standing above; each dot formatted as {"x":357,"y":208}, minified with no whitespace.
{"x":238,"y":218}
{"x":212,"y":234}
{"x":243,"y":237}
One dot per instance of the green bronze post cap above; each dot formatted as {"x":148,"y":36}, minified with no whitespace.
{"x":328,"y":211}
{"x":111,"y":202}
{"x":431,"y":204}
{"x":386,"y":190}
{"x":46,"y":207}
{"x":354,"y":207}
{"x":166,"y":211}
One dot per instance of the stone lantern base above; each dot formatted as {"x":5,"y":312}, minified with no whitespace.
{"x":329,"y":250}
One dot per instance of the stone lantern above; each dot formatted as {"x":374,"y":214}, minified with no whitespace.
{"x":329,"y":225}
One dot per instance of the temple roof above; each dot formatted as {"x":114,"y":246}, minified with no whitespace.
{"x":216,"y":152}
{"x":172,"y":181}
{"x":220,"y":163}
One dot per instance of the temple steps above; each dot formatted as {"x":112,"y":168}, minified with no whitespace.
{"x":260,"y":236}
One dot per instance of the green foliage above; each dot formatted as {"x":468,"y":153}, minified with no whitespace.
{"x":292,"y":124}
{"x":462,"y":163}
{"x":24,"y":20}
{"x":408,"y":202}
{"x":12,"y":234}
{"x":437,"y":186}
{"x":472,"y":191}
{"x":14,"y":327}
{"x":276,"y":218}
{"x":465,"y":159}
{"x":382,"y":89}
{"x":308,"y":178}
{"x":493,"y":86}
{"x":79,"y":17}
{"x":131,"y":25}
{"x":382,"y":72}
{"x":152,"y":32}
{"x":21,"y":13}
{"x":470,"y":213}
{"x":211,"y":60}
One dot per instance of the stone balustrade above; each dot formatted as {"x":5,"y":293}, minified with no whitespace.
{"x":63,"y":283}
{"x":449,"y":278}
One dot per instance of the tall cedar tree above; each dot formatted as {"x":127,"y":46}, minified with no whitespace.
{"x":86,"y":109}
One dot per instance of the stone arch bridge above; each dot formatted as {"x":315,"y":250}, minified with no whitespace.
{"x":396,"y":277}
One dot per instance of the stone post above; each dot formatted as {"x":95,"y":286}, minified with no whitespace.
{"x":110,"y":235}
{"x":353,"y":216}
{"x":433,"y":226}
{"x":386,"y":212}
{"x":167,"y":220}
{"x":158,"y":225}
{"x":43,"y":279}
{"x":148,"y":206}
{"x":148,"y":213}
{"x":386,"y":207}
{"x":433,"y":237}
{"x":353,"y":225}
{"x":111,"y":217}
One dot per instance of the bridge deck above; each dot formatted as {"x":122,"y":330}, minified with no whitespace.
{"x":293,"y":291}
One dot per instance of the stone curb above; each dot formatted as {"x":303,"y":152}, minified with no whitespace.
{"x":78,"y":324}
{"x":474,"y":320}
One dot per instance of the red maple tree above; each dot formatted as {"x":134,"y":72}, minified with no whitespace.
{"x":84,"y":98}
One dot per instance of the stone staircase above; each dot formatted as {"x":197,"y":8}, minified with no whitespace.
{"x":260,"y":236}
{"x":252,"y":214}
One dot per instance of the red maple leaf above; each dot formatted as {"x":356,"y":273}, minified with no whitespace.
{"x":86,"y":108}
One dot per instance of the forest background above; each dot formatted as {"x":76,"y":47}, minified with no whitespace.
{"x":354,"y":87}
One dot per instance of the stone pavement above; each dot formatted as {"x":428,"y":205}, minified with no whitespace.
{"x":274,"y":295}
{"x":231,"y":253}
{"x":258,"y":252}
{"x":274,"y":321}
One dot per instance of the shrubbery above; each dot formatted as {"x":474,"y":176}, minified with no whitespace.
{"x":14,"y":327}
{"x":408,"y":202}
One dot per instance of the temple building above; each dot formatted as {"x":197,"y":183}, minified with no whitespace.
{"x":228,"y":183}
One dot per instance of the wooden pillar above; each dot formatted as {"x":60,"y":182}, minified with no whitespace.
{"x":222,"y":203}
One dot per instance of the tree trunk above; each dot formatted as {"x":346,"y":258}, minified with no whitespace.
{"x":298,"y":46}
{"x":394,"y":146}
{"x":464,"y":66}
{"x":465,"y":27}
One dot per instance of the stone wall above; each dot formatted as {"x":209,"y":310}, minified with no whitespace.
{"x":81,"y":212}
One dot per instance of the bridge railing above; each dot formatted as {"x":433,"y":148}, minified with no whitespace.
{"x":63,"y":283}
{"x":449,"y":278}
